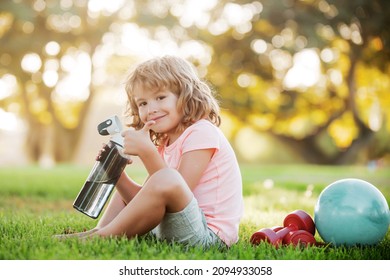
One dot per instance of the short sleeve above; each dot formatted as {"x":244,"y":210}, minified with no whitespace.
{"x":202,"y":135}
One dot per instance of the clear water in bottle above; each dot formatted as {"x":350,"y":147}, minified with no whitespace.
{"x":101,"y":181}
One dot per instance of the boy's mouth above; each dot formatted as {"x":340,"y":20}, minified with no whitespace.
{"x":157,"y":118}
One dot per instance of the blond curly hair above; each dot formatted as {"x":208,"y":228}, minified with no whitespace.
{"x":195,"y":97}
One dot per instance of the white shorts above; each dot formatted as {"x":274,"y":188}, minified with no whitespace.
{"x":188,"y":227}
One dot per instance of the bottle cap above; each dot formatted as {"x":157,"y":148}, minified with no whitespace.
{"x":110,"y":126}
{"x":117,"y":139}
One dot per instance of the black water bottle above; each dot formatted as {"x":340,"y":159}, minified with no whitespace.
{"x":105,"y":173}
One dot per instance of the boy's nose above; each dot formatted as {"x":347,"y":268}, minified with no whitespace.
{"x":152,"y":109}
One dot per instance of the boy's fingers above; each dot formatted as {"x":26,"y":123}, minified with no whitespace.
{"x":148,"y":125}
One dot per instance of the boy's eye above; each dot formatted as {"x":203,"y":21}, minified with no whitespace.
{"x":141,"y":104}
{"x":160,"y":97}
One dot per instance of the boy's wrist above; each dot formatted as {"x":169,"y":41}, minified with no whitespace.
{"x":147,"y":151}
{"x":152,"y":160}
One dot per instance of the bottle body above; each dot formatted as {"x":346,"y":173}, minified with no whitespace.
{"x":101,"y":181}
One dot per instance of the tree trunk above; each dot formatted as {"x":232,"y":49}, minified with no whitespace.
{"x":308,"y":149}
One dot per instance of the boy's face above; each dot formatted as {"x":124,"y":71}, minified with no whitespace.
{"x":159,"y":105}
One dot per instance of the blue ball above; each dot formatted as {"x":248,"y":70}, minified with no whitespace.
{"x":351,"y":212}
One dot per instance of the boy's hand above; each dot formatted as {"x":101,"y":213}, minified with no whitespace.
{"x":103,"y":153}
{"x":137,"y":142}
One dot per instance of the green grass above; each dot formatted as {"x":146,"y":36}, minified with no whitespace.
{"x":37,"y":203}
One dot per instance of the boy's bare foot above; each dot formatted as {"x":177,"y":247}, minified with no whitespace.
{"x":75,"y":235}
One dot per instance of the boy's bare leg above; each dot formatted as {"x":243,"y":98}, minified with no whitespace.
{"x":115,"y":205}
{"x":165,"y":191}
{"x":75,"y":235}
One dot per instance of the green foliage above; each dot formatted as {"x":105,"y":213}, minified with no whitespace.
{"x":352,"y":32}
{"x":36,"y":204}
{"x":28,"y":28}
{"x":250,"y":47}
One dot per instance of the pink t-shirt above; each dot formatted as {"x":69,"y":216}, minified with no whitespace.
{"x":219,"y":192}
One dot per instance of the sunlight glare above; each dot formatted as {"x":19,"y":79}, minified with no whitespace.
{"x":237,"y":14}
{"x":375,"y":118}
{"x":8,"y":86}
{"x":50,"y":78}
{"x":74,"y":86}
{"x":195,"y":49}
{"x":268,"y":184}
{"x":194,"y":12}
{"x":31,"y":62}
{"x":137,"y":41}
{"x":335,"y":76}
{"x":134,"y":39}
{"x":305,"y":71}
{"x":280,"y":59}
{"x":259,"y":46}
{"x":111,"y":6}
{"x":8,"y":121}
{"x":50,"y":75}
{"x":328,"y":55}
{"x":52,"y":48}
{"x":244,"y":80}
{"x":218,"y":27}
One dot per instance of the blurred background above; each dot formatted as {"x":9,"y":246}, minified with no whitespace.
{"x":300,"y":81}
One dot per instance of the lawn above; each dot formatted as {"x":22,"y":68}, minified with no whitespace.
{"x":37,"y":203}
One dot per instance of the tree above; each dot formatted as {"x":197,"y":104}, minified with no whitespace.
{"x":38,"y":39}
{"x":326,"y":121}
{"x":312,"y":73}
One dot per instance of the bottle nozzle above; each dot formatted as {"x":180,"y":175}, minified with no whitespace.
{"x":110,"y":126}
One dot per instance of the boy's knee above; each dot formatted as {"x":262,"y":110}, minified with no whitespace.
{"x":167,"y":173}
{"x":168,"y":179}
{"x":170,"y":185}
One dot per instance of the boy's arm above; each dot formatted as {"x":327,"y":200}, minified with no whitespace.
{"x":127,"y":187}
{"x":152,"y":160}
{"x":138,"y":143}
{"x":193,"y":164}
